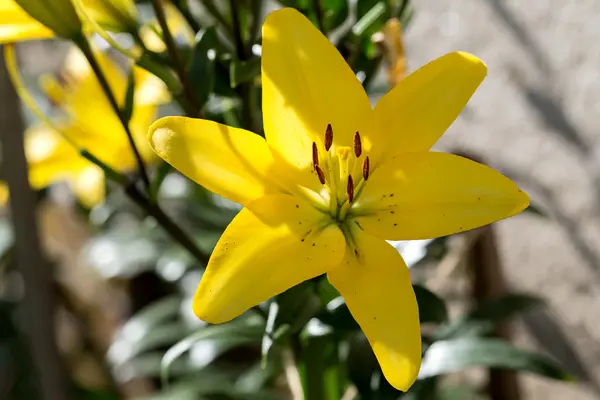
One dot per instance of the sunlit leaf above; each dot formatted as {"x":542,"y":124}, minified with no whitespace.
{"x":454,"y":355}
{"x":243,"y":71}
{"x":239,"y":331}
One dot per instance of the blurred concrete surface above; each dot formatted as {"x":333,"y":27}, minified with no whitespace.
{"x":537,"y":119}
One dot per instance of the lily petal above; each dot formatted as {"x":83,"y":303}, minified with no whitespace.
{"x":16,"y":25}
{"x":231,"y":162}
{"x":428,"y":195}
{"x":263,"y":253}
{"x":306,"y":86}
{"x":417,"y":111}
{"x":50,"y":158}
{"x":89,"y":185}
{"x":378,"y":292}
{"x":113,"y":15}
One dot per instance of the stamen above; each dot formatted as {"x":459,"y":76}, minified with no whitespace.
{"x":357,"y":145}
{"x":315,"y":155}
{"x":350,"y":189}
{"x":344,"y":158}
{"x":320,"y":174}
{"x":328,"y":137}
{"x":365,"y":171}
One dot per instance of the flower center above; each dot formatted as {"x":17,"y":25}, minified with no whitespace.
{"x":343,"y":172}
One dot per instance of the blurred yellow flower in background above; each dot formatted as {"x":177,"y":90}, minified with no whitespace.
{"x":89,"y":122}
{"x":178,"y":27}
{"x":40,"y":19}
{"x":332,"y":181}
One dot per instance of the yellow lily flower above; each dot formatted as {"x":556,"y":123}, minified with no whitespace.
{"x":333,"y":180}
{"x":91,"y":124}
{"x":35,"y":19}
{"x":113,"y":15}
{"x":52,"y":159}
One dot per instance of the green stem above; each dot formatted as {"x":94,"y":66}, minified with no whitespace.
{"x":319,"y":13}
{"x":166,"y":222}
{"x":184,"y":9}
{"x":257,"y":7}
{"x":237,"y":31}
{"x":214,"y":11}
{"x":246,"y":89}
{"x":191,"y":104}
{"x":85,"y":47}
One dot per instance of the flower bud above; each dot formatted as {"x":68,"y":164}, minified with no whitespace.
{"x":57,"y":15}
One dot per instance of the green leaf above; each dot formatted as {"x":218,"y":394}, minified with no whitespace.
{"x":166,"y":74}
{"x":201,"y":70}
{"x":127,"y":110}
{"x":448,"y":356}
{"x":243,"y":71}
{"x":237,"y":332}
{"x":154,"y":314}
{"x":335,"y":12}
{"x":126,"y":348}
{"x":431,"y":307}
{"x":484,"y":319}
{"x":371,"y":15}
{"x":319,"y":368}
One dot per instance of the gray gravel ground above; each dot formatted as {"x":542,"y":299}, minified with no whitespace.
{"x":537,"y":118}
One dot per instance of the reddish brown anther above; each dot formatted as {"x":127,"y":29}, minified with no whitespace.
{"x":357,"y":145}
{"x":365,"y":170}
{"x":315,"y":155}
{"x":328,"y":137}
{"x":320,"y":174}
{"x":350,"y":189}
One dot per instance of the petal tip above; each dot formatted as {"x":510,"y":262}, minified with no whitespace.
{"x":474,"y":62}
{"x":402,"y":378}
{"x":523,"y":201}
{"x":203,"y":314}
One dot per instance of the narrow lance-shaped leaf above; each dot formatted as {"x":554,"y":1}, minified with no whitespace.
{"x":201,"y":70}
{"x":484,"y":319}
{"x":448,"y":356}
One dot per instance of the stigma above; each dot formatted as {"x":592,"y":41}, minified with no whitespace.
{"x":342,"y":170}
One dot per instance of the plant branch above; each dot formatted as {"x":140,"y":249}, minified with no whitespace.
{"x":184,"y":9}
{"x":257,"y":8}
{"x":192,"y":106}
{"x":237,"y":31}
{"x":85,"y":47}
{"x":166,"y":222}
